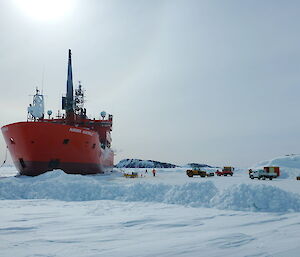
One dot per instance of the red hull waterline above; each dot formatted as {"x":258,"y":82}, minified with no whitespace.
{"x":41,"y":146}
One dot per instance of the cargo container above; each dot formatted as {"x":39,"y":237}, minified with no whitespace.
{"x":273,"y":169}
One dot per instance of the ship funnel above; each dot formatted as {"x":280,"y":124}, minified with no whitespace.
{"x":68,"y":102}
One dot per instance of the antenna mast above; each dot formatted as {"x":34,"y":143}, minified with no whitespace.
{"x":68,"y":101}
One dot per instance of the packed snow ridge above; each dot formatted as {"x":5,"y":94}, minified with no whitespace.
{"x":60,"y":186}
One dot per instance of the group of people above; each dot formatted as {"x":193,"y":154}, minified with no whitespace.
{"x":153,"y":172}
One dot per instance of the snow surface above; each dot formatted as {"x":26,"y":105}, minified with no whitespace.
{"x":240,"y":194}
{"x":56,"y":214}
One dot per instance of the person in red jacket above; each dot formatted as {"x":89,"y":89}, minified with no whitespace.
{"x":153,"y":172}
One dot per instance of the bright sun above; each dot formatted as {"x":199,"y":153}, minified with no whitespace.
{"x":45,"y":9}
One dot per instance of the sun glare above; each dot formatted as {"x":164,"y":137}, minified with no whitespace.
{"x":45,"y":9}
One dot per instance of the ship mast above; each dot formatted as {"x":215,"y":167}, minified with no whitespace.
{"x":68,"y":101}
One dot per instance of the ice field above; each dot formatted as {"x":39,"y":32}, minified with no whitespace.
{"x":56,"y":214}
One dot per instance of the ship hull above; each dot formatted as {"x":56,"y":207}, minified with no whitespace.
{"x":38,"y":147}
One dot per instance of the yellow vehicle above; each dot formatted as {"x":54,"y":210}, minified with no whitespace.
{"x":198,"y":172}
{"x":132,"y":175}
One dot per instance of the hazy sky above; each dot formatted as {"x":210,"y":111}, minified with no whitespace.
{"x":214,"y":82}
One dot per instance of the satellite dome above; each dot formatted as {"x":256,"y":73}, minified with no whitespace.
{"x":103,"y":114}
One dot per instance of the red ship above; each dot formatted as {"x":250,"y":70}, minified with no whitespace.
{"x":71,"y":142}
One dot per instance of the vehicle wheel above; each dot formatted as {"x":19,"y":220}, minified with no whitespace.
{"x":190,"y":174}
{"x":231,"y":174}
{"x":270,"y":178}
{"x":259,"y":177}
{"x":251,"y":177}
{"x":264,"y":178}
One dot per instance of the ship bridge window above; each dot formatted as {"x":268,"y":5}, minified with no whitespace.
{"x":66,"y":141}
{"x":12,"y":141}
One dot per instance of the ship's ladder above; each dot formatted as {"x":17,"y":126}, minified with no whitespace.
{"x":5,"y":158}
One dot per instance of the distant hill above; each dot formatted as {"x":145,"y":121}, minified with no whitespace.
{"x":198,"y":165}
{"x":137,"y":163}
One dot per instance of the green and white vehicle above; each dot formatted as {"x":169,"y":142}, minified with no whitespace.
{"x":262,"y":174}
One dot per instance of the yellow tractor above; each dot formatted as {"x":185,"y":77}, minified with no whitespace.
{"x":132,"y":175}
{"x":198,"y":172}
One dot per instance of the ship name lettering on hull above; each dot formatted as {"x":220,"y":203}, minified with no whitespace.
{"x":87,"y":132}
{"x":76,"y":130}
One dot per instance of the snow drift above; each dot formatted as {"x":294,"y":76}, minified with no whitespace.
{"x":203,"y":193}
{"x":60,"y":186}
{"x":257,"y":198}
{"x":289,"y":165}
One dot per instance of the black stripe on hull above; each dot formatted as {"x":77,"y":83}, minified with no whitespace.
{"x":31,"y":168}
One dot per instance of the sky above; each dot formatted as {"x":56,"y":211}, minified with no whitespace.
{"x":213,"y":82}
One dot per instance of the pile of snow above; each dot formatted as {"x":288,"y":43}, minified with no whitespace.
{"x":245,"y":197}
{"x":289,"y":165}
{"x":137,"y":163}
{"x":202,"y":193}
{"x":60,"y":186}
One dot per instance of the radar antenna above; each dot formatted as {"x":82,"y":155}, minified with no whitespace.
{"x":36,"y":109}
{"x":79,"y":99}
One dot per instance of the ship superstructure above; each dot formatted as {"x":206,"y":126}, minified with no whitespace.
{"x":71,"y":141}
